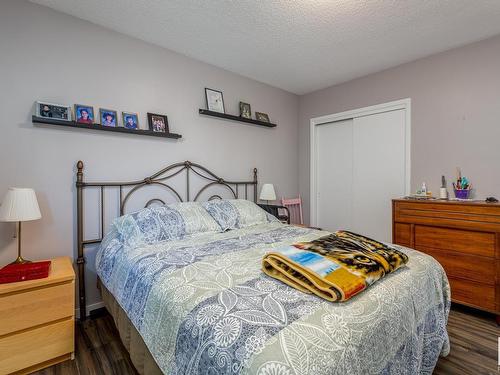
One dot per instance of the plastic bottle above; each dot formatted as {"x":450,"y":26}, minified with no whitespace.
{"x":423,"y":189}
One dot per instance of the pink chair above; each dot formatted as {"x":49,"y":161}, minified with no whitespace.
{"x":294,"y":206}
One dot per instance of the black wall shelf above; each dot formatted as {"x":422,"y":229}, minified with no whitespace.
{"x":73,"y":124}
{"x":206,"y":112}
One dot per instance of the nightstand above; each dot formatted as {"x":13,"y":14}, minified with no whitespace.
{"x":37,"y":319}
{"x":275,"y":211}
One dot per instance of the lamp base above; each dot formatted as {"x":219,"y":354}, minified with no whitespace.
{"x":20,"y":260}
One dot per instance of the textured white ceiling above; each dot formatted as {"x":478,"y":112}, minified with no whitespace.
{"x":297,"y":45}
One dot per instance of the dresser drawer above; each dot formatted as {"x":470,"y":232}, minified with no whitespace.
{"x":471,"y":293}
{"x":485,"y":212}
{"x":32,"y":347}
{"x":402,"y":234}
{"x":474,"y":216}
{"x":464,"y":241}
{"x":464,"y":266}
{"x":34,"y":307}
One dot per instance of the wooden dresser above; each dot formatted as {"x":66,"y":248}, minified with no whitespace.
{"x":37,"y":320}
{"x":464,"y":237}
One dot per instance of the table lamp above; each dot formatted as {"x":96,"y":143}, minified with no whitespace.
{"x":267,"y":193}
{"x":19,"y":205}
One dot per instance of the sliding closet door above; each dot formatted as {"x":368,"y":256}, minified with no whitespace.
{"x":378,"y":171}
{"x":334,"y":178}
{"x":360,"y":167}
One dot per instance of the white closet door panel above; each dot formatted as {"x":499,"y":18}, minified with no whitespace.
{"x":334,"y":175}
{"x":378,"y":171}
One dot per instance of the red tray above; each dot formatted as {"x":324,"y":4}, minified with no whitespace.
{"x":27,"y":271}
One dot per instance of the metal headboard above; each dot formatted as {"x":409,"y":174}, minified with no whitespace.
{"x":159,"y":178}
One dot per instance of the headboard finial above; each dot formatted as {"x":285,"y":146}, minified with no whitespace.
{"x":79,"y":173}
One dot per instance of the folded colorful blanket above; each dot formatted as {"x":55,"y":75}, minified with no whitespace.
{"x":335,"y":267}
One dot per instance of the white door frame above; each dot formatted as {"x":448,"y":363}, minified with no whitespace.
{"x":379,"y":108}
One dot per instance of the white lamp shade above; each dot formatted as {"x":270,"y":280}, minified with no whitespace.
{"x":267,"y":192}
{"x":19,"y":204}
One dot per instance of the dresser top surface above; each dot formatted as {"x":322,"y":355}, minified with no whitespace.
{"x":61,"y":270}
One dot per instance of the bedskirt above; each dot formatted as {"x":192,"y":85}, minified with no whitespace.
{"x":141,"y":357}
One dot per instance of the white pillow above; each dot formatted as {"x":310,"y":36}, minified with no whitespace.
{"x":235,"y":213}
{"x":196,"y":218}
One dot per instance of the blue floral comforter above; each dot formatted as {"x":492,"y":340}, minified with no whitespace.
{"x":203,"y":306}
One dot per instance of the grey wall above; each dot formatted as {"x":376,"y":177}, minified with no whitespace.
{"x":455,"y":114}
{"x":50,"y":56}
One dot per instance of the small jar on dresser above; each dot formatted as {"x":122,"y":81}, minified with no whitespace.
{"x":37,"y":320}
{"x":464,"y":236}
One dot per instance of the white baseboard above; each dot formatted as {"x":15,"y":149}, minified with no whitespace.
{"x":91,"y":307}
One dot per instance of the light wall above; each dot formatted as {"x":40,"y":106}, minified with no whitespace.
{"x":455,"y":115}
{"x":53,"y":57}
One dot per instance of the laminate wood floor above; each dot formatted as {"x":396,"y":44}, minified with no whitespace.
{"x":473,"y":335}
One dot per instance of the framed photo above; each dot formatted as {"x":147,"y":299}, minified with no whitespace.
{"x":55,"y":111}
{"x":108,"y":117}
{"x":215,"y":101}
{"x":245,"y":110}
{"x":84,"y":114}
{"x":130,"y":120}
{"x":158,"y":123}
{"x":264,"y":117}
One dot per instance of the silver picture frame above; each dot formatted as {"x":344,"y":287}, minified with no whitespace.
{"x":54,"y":111}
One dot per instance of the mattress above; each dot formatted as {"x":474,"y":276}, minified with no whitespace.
{"x":202,"y":305}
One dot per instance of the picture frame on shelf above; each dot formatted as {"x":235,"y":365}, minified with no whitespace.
{"x":215,"y":100}
{"x":108,"y":117}
{"x":245,"y":110}
{"x":264,"y":117}
{"x":84,"y":114}
{"x":130,"y":120}
{"x":158,"y":123}
{"x":51,"y":110}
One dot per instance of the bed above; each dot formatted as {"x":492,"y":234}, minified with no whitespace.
{"x":190,"y":299}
